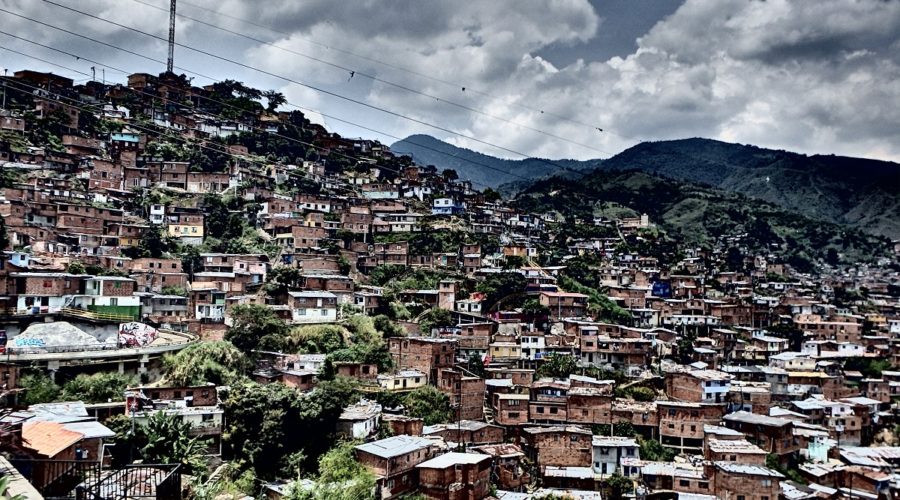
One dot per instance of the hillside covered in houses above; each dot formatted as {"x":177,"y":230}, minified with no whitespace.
{"x":206,"y":296}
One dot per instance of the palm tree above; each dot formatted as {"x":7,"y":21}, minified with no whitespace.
{"x":169,"y":442}
{"x":274,"y":99}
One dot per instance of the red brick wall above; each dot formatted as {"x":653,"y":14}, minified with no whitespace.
{"x":561,"y":449}
{"x":684,"y":387}
{"x":118,"y":288}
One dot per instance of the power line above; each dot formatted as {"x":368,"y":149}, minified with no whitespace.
{"x":311,"y":87}
{"x":490,"y":167}
{"x":463,"y":87}
{"x":81,"y":107}
{"x":356,"y":72}
{"x":423,"y":146}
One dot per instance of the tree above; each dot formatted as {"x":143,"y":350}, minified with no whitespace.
{"x":39,"y":388}
{"x":429,"y":404}
{"x":281,"y":279}
{"x":97,"y":388}
{"x":642,"y":394}
{"x":387,"y":327}
{"x":278,"y":431}
{"x":76,"y":267}
{"x":653,"y":450}
{"x":216,"y":362}
{"x":341,"y":477}
{"x":476,"y":365}
{"x":534,"y":308}
{"x":255,"y":327}
{"x":153,"y":243}
{"x":491,"y":195}
{"x":169,"y":442}
{"x":316,"y":339}
{"x":618,"y":485}
{"x":435,"y":318}
{"x":557,"y":366}
{"x":274,"y":100}
{"x":449,"y":175}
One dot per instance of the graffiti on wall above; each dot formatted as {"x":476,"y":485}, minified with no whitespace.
{"x":134,"y":334}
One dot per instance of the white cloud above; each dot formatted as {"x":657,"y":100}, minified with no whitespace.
{"x":808,"y":76}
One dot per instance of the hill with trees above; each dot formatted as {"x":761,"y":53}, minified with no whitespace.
{"x":702,"y":215}
{"x":856,"y":192}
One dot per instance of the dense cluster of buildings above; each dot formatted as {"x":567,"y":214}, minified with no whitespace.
{"x":753,"y":384}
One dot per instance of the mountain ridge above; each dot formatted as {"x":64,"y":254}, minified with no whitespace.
{"x":854,"y":192}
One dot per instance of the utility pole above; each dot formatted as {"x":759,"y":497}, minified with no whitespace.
{"x":171,"y":62}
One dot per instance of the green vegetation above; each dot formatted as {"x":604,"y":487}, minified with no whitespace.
{"x":557,"y":366}
{"x":429,"y":404}
{"x":255,"y":327}
{"x":167,"y":441}
{"x":39,"y":388}
{"x":700,"y":215}
{"x":341,"y":477}
{"x":97,"y":388}
{"x":279,"y":432}
{"x":217,"y":362}
{"x":435,"y":318}
{"x":622,"y":428}
{"x":651,"y":449}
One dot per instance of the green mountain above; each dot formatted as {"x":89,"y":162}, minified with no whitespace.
{"x":856,"y":192}
{"x":703,"y":215}
{"x":485,"y":170}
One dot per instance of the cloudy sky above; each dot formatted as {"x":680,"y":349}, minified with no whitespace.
{"x":540,"y":76}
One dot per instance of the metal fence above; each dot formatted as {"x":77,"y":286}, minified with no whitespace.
{"x":58,"y":479}
{"x":161,"y":482}
{"x":86,"y":480}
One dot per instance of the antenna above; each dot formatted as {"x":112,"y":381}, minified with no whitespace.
{"x":171,"y":62}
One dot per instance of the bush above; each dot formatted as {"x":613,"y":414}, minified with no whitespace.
{"x":642,"y":394}
{"x":97,"y":388}
{"x":39,"y":388}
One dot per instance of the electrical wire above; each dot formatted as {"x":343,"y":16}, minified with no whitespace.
{"x":463,"y":87}
{"x":76,"y":56}
{"x":356,"y":72}
{"x":306,"y":85}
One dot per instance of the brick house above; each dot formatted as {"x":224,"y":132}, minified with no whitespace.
{"x":393,"y":461}
{"x":698,"y":386}
{"x":466,"y":393}
{"x":772,"y":434}
{"x":681,"y":424}
{"x":402,"y":424}
{"x":510,"y":409}
{"x":589,"y":405}
{"x":561,"y":446}
{"x":746,"y":482}
{"x":507,"y":468}
{"x":426,"y":355}
{"x":548,"y":401}
{"x":563,"y":304}
{"x":455,"y":476}
{"x":468,"y":432}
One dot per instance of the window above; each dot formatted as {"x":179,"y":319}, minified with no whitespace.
{"x":177,"y":394}
{"x":684,"y":482}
